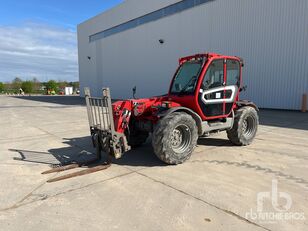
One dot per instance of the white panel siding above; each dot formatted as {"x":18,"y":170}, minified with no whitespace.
{"x":270,"y":35}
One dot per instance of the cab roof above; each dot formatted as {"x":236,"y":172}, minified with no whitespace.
{"x":206,"y":55}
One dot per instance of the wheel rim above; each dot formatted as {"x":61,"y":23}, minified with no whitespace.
{"x":248,"y":127}
{"x":180,"y":138}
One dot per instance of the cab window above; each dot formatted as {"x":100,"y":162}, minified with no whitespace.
{"x":214,"y":76}
{"x":233,"y":72}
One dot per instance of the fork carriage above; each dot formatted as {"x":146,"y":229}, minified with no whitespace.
{"x":104,"y":136}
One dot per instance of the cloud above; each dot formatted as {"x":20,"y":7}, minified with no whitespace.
{"x":38,"y":50}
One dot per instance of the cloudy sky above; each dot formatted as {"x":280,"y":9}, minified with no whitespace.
{"x":38,"y":38}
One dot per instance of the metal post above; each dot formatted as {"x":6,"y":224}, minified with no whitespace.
{"x":87,"y":97}
{"x":106,"y":94}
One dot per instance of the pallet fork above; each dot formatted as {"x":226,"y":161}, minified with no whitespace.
{"x":103,"y":135}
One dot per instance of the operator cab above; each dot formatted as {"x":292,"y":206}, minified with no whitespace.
{"x":208,"y":84}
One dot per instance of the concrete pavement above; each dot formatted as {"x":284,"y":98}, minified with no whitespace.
{"x":216,"y":189}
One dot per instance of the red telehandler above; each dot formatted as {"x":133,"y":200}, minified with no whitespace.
{"x":203,"y":98}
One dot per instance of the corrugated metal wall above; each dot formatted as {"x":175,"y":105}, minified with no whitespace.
{"x":271,"y":36}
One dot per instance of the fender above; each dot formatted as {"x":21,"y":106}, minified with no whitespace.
{"x":243,"y":103}
{"x":195,"y":116}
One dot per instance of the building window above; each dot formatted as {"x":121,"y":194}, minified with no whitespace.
{"x":156,"y":15}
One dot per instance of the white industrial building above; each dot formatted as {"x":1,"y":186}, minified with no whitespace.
{"x":138,"y":43}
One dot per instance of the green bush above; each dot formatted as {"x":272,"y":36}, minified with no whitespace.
{"x":1,"y":87}
{"x":27,"y":86}
{"x":16,"y":84}
{"x":52,"y":85}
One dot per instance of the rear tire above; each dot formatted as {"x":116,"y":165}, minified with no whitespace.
{"x":245,"y":126}
{"x":174,"y":138}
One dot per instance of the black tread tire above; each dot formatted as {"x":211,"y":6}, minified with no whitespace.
{"x":137,"y":139}
{"x":235,"y":134}
{"x":161,"y":140}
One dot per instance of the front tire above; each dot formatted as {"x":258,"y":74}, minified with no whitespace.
{"x":245,"y":126}
{"x":174,"y":138}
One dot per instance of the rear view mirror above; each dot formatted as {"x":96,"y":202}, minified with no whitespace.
{"x":134,"y":92}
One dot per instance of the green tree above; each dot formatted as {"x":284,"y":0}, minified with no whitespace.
{"x":75,"y":85}
{"x":27,"y":86}
{"x":1,"y":87}
{"x":35,"y":80}
{"x":36,"y":84}
{"x":63,"y":84}
{"x":52,"y":85}
{"x":16,"y":84}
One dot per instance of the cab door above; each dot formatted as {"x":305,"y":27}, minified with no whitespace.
{"x":232,"y":84}
{"x":211,"y":97}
